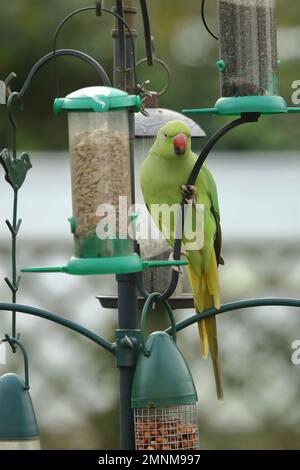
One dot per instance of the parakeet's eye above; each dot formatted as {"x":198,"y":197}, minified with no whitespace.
{"x":166,"y":136}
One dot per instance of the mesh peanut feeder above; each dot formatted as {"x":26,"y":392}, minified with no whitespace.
{"x":163,"y":395}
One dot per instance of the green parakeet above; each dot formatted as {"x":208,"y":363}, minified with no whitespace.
{"x":163,"y":175}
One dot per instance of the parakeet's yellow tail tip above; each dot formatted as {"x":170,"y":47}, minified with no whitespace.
{"x":204,"y":339}
{"x":218,"y":379}
{"x":206,"y":295}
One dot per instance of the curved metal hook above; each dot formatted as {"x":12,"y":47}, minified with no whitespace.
{"x":12,"y":341}
{"x":10,"y":99}
{"x":150,"y":300}
{"x":59,"y":27}
{"x":96,"y":9}
{"x":244,"y":119}
{"x":67,"y":52}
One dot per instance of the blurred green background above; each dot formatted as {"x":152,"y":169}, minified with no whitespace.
{"x":74,"y":385}
{"x":27,"y":28}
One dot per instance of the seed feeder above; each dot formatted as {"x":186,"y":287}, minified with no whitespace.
{"x":100,"y":166}
{"x":248,"y":60}
{"x":163,"y":394}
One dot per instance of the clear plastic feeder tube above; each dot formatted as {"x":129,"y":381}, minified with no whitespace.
{"x":248,"y":47}
{"x":100,"y":168}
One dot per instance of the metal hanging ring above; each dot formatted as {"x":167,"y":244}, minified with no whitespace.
{"x":150,"y":300}
{"x":165,"y":67}
{"x":13,"y":341}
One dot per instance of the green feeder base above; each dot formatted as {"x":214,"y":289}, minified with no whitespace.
{"x":235,"y":106}
{"x":113,"y":265}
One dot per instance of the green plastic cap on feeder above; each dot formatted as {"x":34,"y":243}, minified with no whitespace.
{"x":98,"y":99}
{"x":98,"y":120}
{"x":164,"y":398}
{"x":18,"y":426}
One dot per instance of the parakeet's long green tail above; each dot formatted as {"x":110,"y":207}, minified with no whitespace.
{"x":206,"y":295}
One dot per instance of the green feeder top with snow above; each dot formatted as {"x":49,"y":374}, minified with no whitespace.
{"x":97,"y":99}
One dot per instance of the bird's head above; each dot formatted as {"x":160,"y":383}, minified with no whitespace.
{"x":174,"y":140}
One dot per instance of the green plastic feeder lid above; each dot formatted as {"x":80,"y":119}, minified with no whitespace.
{"x":162,"y":378}
{"x":98,"y":99}
{"x":17,"y":418}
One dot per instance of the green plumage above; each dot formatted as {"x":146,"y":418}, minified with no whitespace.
{"x":162,"y":176}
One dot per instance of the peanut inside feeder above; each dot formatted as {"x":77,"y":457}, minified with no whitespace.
{"x":170,"y":428}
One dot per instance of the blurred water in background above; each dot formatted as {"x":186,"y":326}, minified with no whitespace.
{"x":75,"y":385}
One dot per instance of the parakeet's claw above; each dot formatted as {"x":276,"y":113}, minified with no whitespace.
{"x":189,"y":192}
{"x":221,"y":261}
{"x":178,"y":269}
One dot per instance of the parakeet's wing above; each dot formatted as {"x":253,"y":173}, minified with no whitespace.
{"x":212,"y":188}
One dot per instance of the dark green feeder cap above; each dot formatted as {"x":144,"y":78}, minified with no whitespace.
{"x":97,"y":99}
{"x":17,"y":417}
{"x":162,"y":378}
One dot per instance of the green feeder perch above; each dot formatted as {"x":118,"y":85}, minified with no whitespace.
{"x":248,"y":60}
{"x":163,"y":394}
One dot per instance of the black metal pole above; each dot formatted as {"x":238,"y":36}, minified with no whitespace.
{"x":123,"y":60}
{"x":127,"y":309}
{"x":123,"y":78}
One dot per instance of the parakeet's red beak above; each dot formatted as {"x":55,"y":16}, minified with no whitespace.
{"x":180,"y":143}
